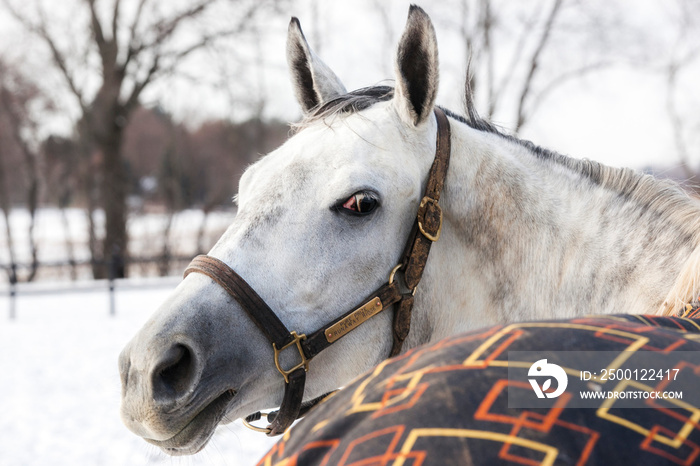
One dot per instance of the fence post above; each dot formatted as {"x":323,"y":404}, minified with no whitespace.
{"x":13,"y":291}
{"x":112,"y":311}
{"x":111,"y":273}
{"x":13,"y":300}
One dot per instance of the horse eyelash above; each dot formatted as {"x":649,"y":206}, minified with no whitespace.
{"x":338,"y":206}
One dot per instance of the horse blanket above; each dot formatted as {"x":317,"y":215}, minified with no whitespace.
{"x":446,"y":404}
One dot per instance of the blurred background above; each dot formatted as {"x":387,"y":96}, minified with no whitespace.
{"x":125,"y":125}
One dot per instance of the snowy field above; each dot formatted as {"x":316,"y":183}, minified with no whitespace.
{"x":60,"y":388}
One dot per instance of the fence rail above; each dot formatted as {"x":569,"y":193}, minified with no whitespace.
{"x":14,"y":289}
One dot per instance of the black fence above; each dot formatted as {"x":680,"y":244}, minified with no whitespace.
{"x":154,"y":266}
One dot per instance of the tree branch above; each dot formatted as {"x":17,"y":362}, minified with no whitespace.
{"x":132,"y":33}
{"x":486,"y":27}
{"x":523,"y":38}
{"x":108,"y":48}
{"x":676,"y":119}
{"x":139,"y":86}
{"x":167,"y":28}
{"x":115,"y":20}
{"x":562,"y":79}
{"x":534,"y":63}
{"x":96,"y":26}
{"x":156,"y":69}
{"x":677,"y":123}
{"x":59,"y":59}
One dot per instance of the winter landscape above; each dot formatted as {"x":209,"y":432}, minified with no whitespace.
{"x":60,"y":389}
{"x":142,"y":170}
{"x":59,"y":395}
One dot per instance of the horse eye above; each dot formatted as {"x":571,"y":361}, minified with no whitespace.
{"x":361,"y":203}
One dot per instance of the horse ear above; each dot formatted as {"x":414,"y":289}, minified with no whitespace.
{"x":416,"y":68}
{"x":314,"y":82}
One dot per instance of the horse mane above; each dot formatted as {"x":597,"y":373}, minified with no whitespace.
{"x":664,"y":197}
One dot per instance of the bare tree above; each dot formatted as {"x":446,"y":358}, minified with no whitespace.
{"x":683,"y":57}
{"x":388,"y":33}
{"x":133,"y":51}
{"x":534,"y":61}
{"x":517,"y":54}
{"x":61,"y":182}
{"x":172,"y":181}
{"x":19,"y":134}
{"x":5,"y":206}
{"x":220,"y":153}
{"x":675,"y":116}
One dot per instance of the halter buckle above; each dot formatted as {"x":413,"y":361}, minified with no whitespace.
{"x":297,"y":339}
{"x":430,"y":218}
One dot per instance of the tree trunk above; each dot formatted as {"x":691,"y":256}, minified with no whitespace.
{"x":69,"y":242}
{"x":165,"y":255}
{"x":5,"y":206}
{"x":114,"y":197}
{"x":106,"y":121}
{"x":202,"y":229}
{"x":32,"y":206}
{"x":90,"y":175}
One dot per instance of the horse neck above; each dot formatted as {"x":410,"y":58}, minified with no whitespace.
{"x":527,"y":236}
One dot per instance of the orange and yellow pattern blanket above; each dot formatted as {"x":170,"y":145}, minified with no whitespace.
{"x":447,"y":404}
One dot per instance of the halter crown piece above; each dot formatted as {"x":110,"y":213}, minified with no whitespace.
{"x":426,"y":230}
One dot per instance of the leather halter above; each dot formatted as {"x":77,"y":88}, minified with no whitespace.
{"x":426,"y":230}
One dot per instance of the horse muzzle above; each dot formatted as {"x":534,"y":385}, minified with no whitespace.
{"x":162,"y":401}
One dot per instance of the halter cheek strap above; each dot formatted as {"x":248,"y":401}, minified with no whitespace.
{"x":426,"y":230}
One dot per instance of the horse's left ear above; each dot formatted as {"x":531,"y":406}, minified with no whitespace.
{"x":314,"y":82}
{"x":416,"y":68}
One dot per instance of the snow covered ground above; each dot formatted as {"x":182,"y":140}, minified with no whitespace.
{"x":59,"y":384}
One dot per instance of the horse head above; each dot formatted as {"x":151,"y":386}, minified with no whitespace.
{"x":321,"y":222}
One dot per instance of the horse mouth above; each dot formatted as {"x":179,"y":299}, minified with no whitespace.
{"x":196,"y":433}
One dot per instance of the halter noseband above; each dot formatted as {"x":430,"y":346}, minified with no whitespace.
{"x":426,"y":230}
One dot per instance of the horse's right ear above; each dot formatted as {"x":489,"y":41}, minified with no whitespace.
{"x":416,"y":68}
{"x":314,"y":82}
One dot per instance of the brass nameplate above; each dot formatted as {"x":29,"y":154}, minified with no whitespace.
{"x":355,"y":318}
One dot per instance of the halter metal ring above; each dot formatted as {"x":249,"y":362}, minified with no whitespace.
{"x":264,"y":430}
{"x":392,"y":275}
{"x":304,"y":361}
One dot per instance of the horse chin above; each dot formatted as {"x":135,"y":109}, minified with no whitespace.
{"x":197,"y":432}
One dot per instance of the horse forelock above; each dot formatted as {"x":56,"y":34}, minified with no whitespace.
{"x":346,"y":104}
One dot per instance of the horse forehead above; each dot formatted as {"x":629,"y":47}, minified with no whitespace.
{"x":323,"y":153}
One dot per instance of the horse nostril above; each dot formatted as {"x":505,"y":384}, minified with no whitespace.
{"x":175,"y":374}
